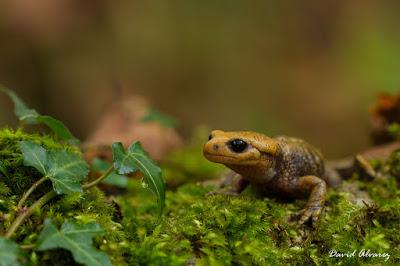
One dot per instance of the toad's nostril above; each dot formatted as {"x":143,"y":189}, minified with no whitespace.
{"x":216,"y":147}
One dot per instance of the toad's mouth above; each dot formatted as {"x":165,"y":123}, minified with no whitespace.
{"x":218,"y":158}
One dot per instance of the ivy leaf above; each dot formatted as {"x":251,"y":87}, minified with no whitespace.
{"x":136,"y":158}
{"x":163,"y":119}
{"x":34,"y":155}
{"x":20,"y":109}
{"x":58,"y":128}
{"x":76,"y":238}
{"x":121,"y":160}
{"x":65,"y":170}
{"x":114,"y":179}
{"x":31,"y":116}
{"x":9,"y":252}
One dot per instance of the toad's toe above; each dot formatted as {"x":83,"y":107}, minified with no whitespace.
{"x":308,"y":212}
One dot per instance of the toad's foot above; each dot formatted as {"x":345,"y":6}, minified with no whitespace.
{"x":308,"y":212}
{"x":316,"y":187}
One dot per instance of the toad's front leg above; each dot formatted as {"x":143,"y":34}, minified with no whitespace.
{"x":315,"y":187}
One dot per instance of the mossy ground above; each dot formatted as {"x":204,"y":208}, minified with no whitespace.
{"x":254,"y":230}
{"x":250,"y":230}
{"x":209,"y":230}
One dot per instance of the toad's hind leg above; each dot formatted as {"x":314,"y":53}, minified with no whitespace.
{"x":316,"y":188}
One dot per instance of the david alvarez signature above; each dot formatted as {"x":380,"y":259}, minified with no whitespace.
{"x":363,"y":253}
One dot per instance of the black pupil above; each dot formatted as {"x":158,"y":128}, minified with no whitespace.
{"x":210,"y":137}
{"x":237,"y":145}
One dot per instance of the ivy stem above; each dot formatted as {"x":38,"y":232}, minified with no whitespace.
{"x":44,"y":199}
{"x":30,"y":190}
{"x":37,"y":205}
{"x":98,"y":180}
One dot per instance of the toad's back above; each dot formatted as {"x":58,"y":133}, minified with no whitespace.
{"x":298,"y":158}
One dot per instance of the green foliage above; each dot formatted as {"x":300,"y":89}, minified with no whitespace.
{"x":31,"y":116}
{"x":136,"y":158}
{"x":45,"y":156}
{"x":23,"y":112}
{"x":76,"y":238}
{"x":10,"y":253}
{"x":27,"y":162}
{"x":163,"y":119}
{"x":87,"y":207}
{"x":18,"y":176}
{"x":58,"y":128}
{"x":65,"y":170}
{"x":34,"y":155}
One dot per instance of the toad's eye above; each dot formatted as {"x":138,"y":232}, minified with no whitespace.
{"x":210,"y":137}
{"x":237,"y":145}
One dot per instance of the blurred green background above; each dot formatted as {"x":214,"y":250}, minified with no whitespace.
{"x":302,"y":68}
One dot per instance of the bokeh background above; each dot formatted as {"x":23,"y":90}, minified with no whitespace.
{"x":304,"y":68}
